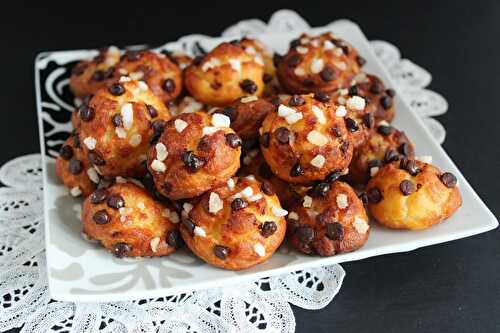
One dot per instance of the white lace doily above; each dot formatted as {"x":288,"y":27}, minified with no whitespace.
{"x":252,"y":307}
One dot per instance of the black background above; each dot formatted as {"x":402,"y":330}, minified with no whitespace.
{"x":453,"y":287}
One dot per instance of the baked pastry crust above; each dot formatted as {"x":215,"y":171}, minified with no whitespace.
{"x":305,"y":140}
{"x":126,"y":220}
{"x":117,"y":125}
{"x":225,"y":74}
{"x":329,"y":223}
{"x":200,"y":155}
{"x":414,"y":199}
{"x":233,"y":229}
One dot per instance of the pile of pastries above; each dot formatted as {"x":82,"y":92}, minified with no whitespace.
{"x":233,"y":151}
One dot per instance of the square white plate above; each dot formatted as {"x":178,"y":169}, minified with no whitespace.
{"x":82,"y":271}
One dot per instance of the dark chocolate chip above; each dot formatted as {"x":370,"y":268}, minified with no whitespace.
{"x":353,"y":90}
{"x":405,"y":149}
{"x":391,"y":155}
{"x":333,"y":176}
{"x":264,"y":140}
{"x":104,"y":183}
{"x":282,"y":134}
{"x":98,"y":196}
{"x":86,"y":112}
{"x":248,"y":86}
{"x":391,"y":92}
{"x":96,"y":158}
{"x":368,"y":120}
{"x":121,"y":249}
{"x":267,"y":188}
{"x":374,"y":164}
{"x":98,"y":75}
{"x":327,"y":74}
{"x":174,"y":239}
{"x":448,"y":179}
{"x":377,"y":88}
{"x":296,"y":100}
{"x":191,"y":161}
{"x":407,"y":187}
{"x":117,"y":120}
{"x":168,"y":85}
{"x":296,"y":170}
{"x":116,"y":89}
{"x":233,"y":140}
{"x":238,"y":204}
{"x":268,"y":228}
{"x":319,"y":190}
{"x":322,"y":97}
{"x":189,"y":225}
{"x":294,"y":60}
{"x":386,"y":102}
{"x":158,"y":126}
{"x":305,"y":234}
{"x":66,"y":152}
{"x":335,"y":231}
{"x":221,"y":252}
{"x":115,"y":201}
{"x":101,"y":217}
{"x":152,"y":111}
{"x":385,"y":130}
{"x":360,"y":60}
{"x":267,"y":77}
{"x":231,"y":112}
{"x":374,"y":195}
{"x":351,"y":124}
{"x":75,"y":166}
{"x":364,"y":198}
{"x":410,"y":166}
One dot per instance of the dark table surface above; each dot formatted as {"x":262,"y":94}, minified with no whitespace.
{"x":453,"y":287}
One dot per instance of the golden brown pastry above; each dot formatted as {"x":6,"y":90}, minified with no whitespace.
{"x":329,"y":220}
{"x":117,"y":126}
{"x":195,"y":153}
{"x":387,"y":144}
{"x":306,"y":139}
{"x":235,"y":226}
{"x":74,"y":169}
{"x":225,"y":74}
{"x":126,"y":220}
{"x":318,"y":63}
{"x":379,"y":100}
{"x":89,"y":76}
{"x":247,"y":114}
{"x":413,"y":195}
{"x":163,"y":77}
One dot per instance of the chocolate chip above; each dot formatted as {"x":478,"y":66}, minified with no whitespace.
{"x":335,"y":231}
{"x":233,"y":140}
{"x":294,"y":43}
{"x":86,"y":112}
{"x":448,"y":179}
{"x":327,"y":74}
{"x":132,"y":55}
{"x":333,"y":176}
{"x":277,"y":58}
{"x":98,"y":75}
{"x":152,"y":111}
{"x":115,"y":201}
{"x":360,"y":60}
{"x":268,"y":228}
{"x":364,"y":198}
{"x":368,"y":120}
{"x":305,"y":234}
{"x":386,"y":102}
{"x":95,"y":158}
{"x":376,"y":88}
{"x":238,"y":204}
{"x":231,"y":112}
{"x":267,"y":188}
{"x":296,"y":100}
{"x":117,"y":120}
{"x":168,"y":85}
{"x":121,"y":249}
{"x":351,"y":124}
{"x":221,"y":252}
{"x":322,"y":97}
{"x":294,"y":61}
{"x":104,"y":183}
{"x":374,"y":164}
{"x":158,"y":126}
{"x":405,"y":149}
{"x":98,"y":196}
{"x":66,"y":152}
{"x":267,"y":77}
{"x":353,"y":90}
{"x":75,"y":166}
{"x":391,"y":155}
{"x":391,"y":92}
{"x":319,"y":190}
{"x":248,"y":86}
{"x":173,"y":239}
{"x":116,"y":89}
{"x":374,"y":195}
{"x":296,"y":170}
{"x":264,"y":140}
{"x":191,"y":161}
{"x":189,"y":225}
{"x":282,"y":134}
{"x":407,"y":187}
{"x":385,"y":130}
{"x":101,"y":217}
